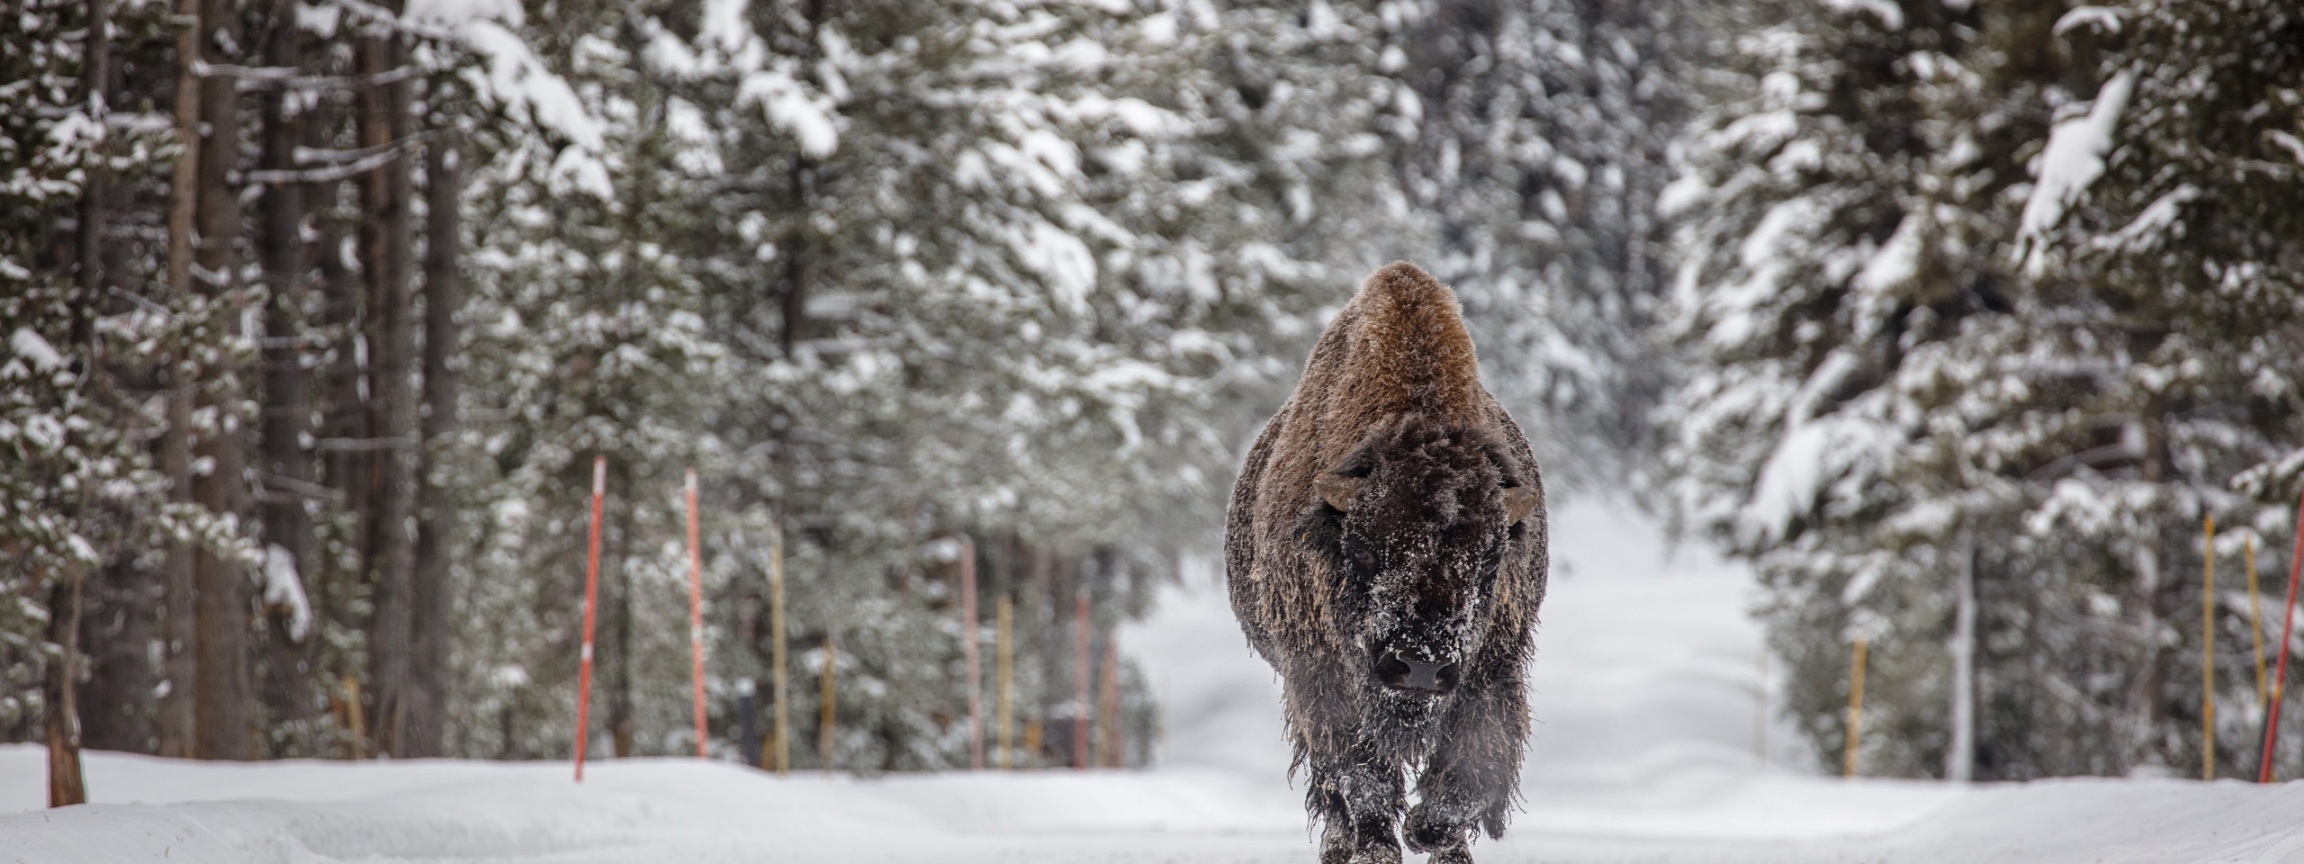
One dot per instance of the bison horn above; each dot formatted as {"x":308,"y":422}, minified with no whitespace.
{"x":1339,"y":490}
{"x":1519,"y":501}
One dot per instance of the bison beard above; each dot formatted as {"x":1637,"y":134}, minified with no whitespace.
{"x":1385,"y":552}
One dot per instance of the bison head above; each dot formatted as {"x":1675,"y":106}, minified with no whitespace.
{"x":1414,"y":526}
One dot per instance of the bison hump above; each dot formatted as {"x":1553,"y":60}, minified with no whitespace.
{"x":1408,"y":350}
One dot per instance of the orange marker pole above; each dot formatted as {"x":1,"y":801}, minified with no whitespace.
{"x":2256,"y":624}
{"x":968,"y":632}
{"x":829,"y":712}
{"x":2287,"y":624}
{"x":696,"y":612}
{"x":591,"y":603}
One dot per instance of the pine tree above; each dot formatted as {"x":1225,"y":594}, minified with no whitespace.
{"x":1925,"y":369}
{"x":1844,"y":304}
{"x":1538,"y":155}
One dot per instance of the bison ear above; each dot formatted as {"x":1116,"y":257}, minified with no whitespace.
{"x":1339,"y":490}
{"x":1519,"y":502}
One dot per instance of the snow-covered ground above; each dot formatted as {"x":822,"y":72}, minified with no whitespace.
{"x":1645,"y":752}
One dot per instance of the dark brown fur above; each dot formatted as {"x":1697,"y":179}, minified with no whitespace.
{"x":1422,"y":557}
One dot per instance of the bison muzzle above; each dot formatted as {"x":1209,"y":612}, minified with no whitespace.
{"x":1385,"y":552}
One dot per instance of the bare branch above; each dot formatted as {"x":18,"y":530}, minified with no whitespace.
{"x":253,"y":78}
{"x":345,"y":171}
{"x":385,"y":18}
{"x":362,"y":445}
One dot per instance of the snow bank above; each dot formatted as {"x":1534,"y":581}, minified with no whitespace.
{"x":1645,"y":693}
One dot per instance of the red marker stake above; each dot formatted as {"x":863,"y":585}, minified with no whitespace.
{"x":591,"y":602}
{"x":2287,"y":624}
{"x":696,"y":611}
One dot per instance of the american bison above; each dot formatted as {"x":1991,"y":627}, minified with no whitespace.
{"x":1385,"y":551}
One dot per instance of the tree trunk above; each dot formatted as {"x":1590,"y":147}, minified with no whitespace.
{"x":1960,"y":763}
{"x":798,"y":263}
{"x":220,"y":705}
{"x":1053,"y":592}
{"x":66,"y":786}
{"x":620,"y":730}
{"x":443,"y":295}
{"x":342,"y":403}
{"x":120,"y":677}
{"x":116,"y":706}
{"x":177,"y":729}
{"x":385,"y":241}
{"x":95,"y":75}
{"x":287,"y":464}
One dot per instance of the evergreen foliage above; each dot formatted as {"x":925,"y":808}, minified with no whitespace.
{"x":1928,"y":310}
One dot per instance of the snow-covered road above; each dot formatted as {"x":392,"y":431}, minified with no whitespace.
{"x":1645,"y":682}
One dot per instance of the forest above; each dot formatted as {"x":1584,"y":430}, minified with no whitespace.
{"x":1957,"y":320}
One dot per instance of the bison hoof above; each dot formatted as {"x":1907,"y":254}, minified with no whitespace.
{"x":1427,"y":833}
{"x":1342,"y":845}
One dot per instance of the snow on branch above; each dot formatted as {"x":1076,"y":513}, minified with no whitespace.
{"x":283,"y":588}
{"x":380,"y":18}
{"x":251,"y":78}
{"x":35,"y":350}
{"x":2102,"y":18}
{"x":2073,"y":159}
{"x":343,"y":171}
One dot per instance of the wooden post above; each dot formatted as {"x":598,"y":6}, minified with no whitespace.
{"x":782,"y":683}
{"x":968,"y":633}
{"x":1006,"y":650}
{"x":696,"y":613}
{"x":354,"y":717}
{"x":2256,"y":624}
{"x":2280,"y":677}
{"x":1035,"y":736}
{"x":1855,"y":711}
{"x":828,"y":713}
{"x":591,"y":608}
{"x":1080,"y":694}
{"x":2208,"y":649}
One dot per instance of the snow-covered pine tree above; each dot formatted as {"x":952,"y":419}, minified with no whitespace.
{"x":584,"y":337}
{"x":1538,"y":153}
{"x":87,"y":333}
{"x":2164,"y":231}
{"x":1919,"y":350}
{"x":1844,"y":307}
{"x":947,"y":346}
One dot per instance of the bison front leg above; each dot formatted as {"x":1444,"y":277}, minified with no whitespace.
{"x":1471,"y":777}
{"x":1358,"y":799}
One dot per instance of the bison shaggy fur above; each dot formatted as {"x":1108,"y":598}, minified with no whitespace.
{"x":1385,"y":552}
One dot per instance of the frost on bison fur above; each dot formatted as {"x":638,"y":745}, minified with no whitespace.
{"x":1385,"y":553}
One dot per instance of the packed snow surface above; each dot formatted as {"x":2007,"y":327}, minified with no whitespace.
{"x":1646,"y":750}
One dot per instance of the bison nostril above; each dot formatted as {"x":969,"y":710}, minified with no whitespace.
{"x":1401,"y":673}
